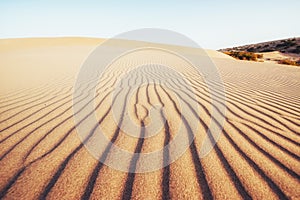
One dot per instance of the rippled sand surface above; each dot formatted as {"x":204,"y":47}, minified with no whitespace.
{"x":41,"y":156}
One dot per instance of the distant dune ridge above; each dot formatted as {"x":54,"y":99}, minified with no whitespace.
{"x":290,"y":45}
{"x":285,"y":51}
{"x":41,"y":156}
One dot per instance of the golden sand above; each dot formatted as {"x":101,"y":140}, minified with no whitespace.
{"x":41,"y":156}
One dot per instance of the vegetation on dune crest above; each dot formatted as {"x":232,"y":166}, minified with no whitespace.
{"x":289,"y":62}
{"x":244,"y":55}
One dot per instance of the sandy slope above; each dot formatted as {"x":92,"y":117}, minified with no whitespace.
{"x":275,"y":56}
{"x":41,"y":155}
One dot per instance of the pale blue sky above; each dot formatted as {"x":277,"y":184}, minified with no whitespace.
{"x":212,"y":24}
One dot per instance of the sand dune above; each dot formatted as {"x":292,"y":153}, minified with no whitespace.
{"x":41,"y":155}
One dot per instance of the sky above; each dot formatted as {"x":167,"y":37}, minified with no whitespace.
{"x":213,"y":24}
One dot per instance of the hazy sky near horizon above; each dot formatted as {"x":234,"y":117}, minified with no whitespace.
{"x":212,"y":24}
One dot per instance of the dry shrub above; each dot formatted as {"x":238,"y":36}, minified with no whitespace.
{"x":244,"y":55}
{"x":289,"y":62}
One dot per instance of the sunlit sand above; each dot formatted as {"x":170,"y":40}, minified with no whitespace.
{"x":41,"y":155}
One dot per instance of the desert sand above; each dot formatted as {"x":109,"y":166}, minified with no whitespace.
{"x":41,"y":155}
{"x":275,"y":56}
